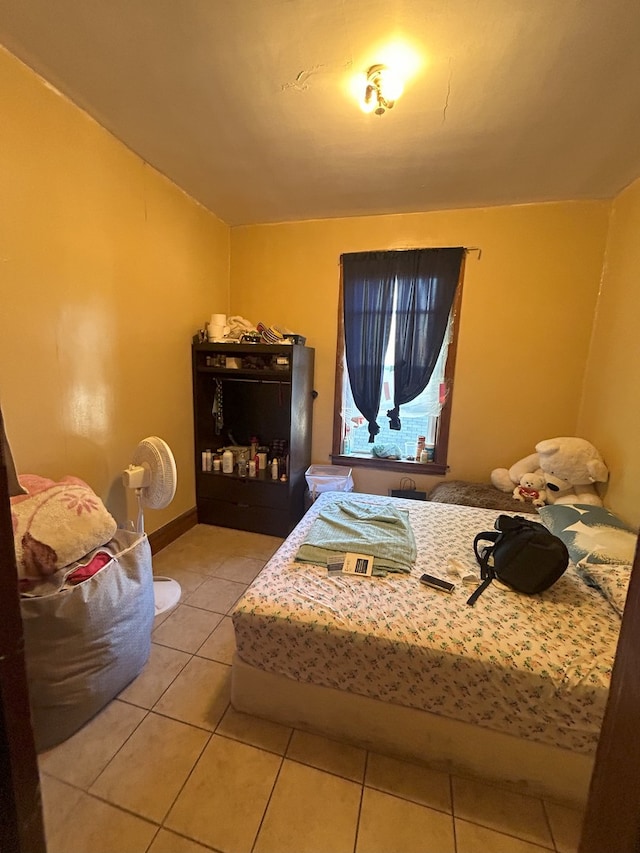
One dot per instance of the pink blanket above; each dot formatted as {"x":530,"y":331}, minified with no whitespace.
{"x":56,"y":524}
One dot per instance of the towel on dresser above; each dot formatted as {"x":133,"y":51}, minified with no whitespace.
{"x":383,"y":532}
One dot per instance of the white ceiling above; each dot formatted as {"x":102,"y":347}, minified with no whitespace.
{"x":245,"y":104}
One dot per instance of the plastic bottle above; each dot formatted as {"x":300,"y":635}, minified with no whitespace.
{"x":204,"y":460}
{"x":227,"y":462}
{"x":207,"y":460}
{"x":252,"y":467}
{"x":420,"y":446}
{"x":424,"y":456}
{"x":274,"y":469}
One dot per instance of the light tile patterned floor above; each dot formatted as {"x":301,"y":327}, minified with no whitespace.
{"x":170,"y":767}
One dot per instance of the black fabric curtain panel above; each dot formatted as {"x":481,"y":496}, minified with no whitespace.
{"x":368,"y":280}
{"x":426,"y":287}
{"x":426,"y":281}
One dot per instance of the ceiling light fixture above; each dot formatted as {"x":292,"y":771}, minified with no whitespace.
{"x":383,"y":88}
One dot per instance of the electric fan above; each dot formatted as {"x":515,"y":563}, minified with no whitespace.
{"x":153,"y":475}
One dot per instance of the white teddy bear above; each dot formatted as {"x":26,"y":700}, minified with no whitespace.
{"x":570,"y":466}
{"x":531,"y":488}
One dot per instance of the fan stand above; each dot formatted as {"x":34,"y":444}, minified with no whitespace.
{"x":166,"y":591}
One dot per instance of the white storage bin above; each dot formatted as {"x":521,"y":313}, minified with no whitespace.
{"x":328,"y":478}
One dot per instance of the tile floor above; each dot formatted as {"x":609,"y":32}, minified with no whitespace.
{"x":170,"y":767}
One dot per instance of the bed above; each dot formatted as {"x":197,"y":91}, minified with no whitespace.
{"x":514,"y":687}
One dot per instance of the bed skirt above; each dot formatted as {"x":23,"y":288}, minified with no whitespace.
{"x":446,"y":744}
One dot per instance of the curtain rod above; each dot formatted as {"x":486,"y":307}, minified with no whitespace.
{"x":467,"y":250}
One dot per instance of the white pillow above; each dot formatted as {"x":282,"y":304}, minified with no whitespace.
{"x":612,"y":581}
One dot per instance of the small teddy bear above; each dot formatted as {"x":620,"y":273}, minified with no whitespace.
{"x":531,"y":488}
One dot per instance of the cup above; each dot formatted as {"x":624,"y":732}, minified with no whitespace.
{"x":217,"y":333}
{"x":218,"y":328}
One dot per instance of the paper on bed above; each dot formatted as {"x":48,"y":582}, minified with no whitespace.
{"x":359,"y":565}
{"x":383,"y":532}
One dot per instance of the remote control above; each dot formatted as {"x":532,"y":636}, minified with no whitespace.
{"x":437,"y":583}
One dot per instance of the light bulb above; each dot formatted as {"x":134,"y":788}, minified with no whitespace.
{"x":383,"y":86}
{"x":390,"y":84}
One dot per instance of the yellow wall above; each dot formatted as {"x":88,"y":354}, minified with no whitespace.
{"x":525,"y":322}
{"x":610,"y":410}
{"x":107,"y":269}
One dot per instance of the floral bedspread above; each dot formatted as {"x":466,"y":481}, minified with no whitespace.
{"x":536,"y":667}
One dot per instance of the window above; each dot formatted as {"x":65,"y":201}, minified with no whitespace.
{"x":396,"y":352}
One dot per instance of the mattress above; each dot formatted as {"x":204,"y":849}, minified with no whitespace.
{"x":536,"y":667}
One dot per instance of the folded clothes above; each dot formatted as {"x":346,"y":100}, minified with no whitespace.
{"x":382,"y":531}
{"x":84,"y":572}
{"x":68,"y":576}
{"x":55,"y":524}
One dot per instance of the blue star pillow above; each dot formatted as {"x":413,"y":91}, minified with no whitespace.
{"x":592,"y":534}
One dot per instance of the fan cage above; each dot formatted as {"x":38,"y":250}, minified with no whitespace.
{"x":154,"y":454}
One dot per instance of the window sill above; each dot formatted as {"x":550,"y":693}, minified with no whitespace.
{"x":403,"y":465}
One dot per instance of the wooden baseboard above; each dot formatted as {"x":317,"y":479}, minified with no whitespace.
{"x":169,"y":532}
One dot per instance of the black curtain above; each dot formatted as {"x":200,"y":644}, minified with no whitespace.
{"x":368,"y":281}
{"x":427,"y":281}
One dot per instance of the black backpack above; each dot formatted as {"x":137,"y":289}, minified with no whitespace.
{"x":524,"y":555}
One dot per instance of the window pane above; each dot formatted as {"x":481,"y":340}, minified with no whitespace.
{"x":418,"y":417}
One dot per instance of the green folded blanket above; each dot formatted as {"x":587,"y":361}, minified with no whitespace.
{"x":383,"y":531}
